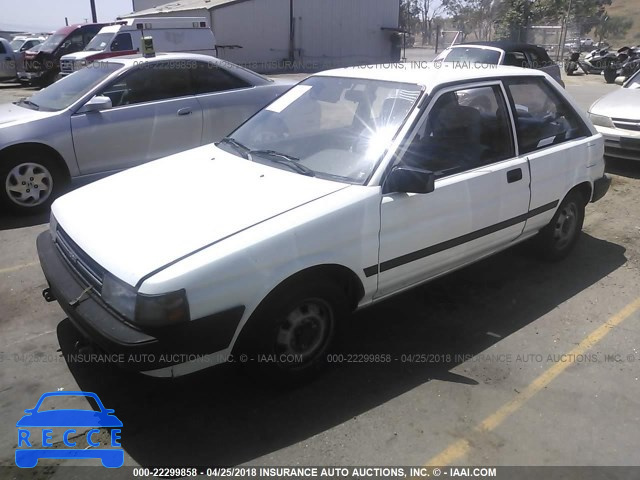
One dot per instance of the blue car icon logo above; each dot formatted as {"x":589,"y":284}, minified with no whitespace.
{"x":32,"y":447}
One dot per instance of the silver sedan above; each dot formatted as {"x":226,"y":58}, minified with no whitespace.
{"x":119,"y":113}
{"x":617,"y":117}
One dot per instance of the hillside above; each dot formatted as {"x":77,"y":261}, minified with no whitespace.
{"x":630,"y":9}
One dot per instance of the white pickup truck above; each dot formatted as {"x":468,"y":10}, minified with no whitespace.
{"x":353,"y":186}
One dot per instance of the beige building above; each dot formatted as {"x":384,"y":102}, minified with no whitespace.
{"x":266,"y":35}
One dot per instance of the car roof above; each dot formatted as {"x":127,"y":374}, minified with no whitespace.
{"x":70,"y":28}
{"x":430,"y":75}
{"x":505,"y":45}
{"x":138,"y":58}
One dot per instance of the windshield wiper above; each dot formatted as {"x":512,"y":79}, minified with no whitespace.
{"x":238,"y":146}
{"x":28,"y":102}
{"x":284,"y":159}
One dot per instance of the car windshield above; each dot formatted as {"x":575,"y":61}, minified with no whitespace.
{"x":470,"y":55}
{"x":332,"y":128}
{"x":16,"y":44}
{"x":100,"y":42}
{"x":68,"y":90}
{"x":59,"y":402}
{"x":634,"y":81}
{"x":51,"y":43}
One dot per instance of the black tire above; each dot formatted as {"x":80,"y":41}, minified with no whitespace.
{"x":555,"y":241}
{"x":41,"y":174}
{"x":569,"y":68}
{"x":610,"y":75}
{"x":272,"y":348}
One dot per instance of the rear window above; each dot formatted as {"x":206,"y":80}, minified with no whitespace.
{"x":470,"y":55}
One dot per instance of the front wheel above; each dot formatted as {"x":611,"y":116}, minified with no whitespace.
{"x":557,"y":239}
{"x":29,"y":182}
{"x":610,"y":75}
{"x":288,"y":337}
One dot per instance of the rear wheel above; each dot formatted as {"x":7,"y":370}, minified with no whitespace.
{"x":288,"y":337}
{"x":30,"y":181}
{"x":557,"y":239}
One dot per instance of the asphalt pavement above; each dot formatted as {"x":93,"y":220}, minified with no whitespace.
{"x":508,"y":362}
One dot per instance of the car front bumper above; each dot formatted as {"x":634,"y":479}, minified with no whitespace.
{"x":127,"y":345}
{"x":30,"y":76}
{"x":621,"y":143}
{"x":600,"y":188}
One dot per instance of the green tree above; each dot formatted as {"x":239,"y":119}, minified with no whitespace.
{"x":612,"y":27}
{"x":472,"y":16}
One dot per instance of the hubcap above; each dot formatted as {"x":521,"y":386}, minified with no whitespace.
{"x":29,"y":184}
{"x":565,"y":227}
{"x":305,"y":330}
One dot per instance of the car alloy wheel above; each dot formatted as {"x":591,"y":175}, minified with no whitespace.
{"x":29,"y":184}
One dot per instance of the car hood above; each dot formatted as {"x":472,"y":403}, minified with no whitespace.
{"x":622,"y":103}
{"x":69,"y":418}
{"x":12,"y":114}
{"x":83,"y":54}
{"x":140,"y":220}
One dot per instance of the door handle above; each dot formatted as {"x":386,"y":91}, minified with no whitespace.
{"x":514,"y":175}
{"x":184,"y":111}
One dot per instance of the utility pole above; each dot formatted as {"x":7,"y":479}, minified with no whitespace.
{"x":94,"y":14}
{"x":291,"y":33}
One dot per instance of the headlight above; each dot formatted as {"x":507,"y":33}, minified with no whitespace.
{"x":145,"y":310}
{"x":600,"y":120}
{"x":120,"y":296}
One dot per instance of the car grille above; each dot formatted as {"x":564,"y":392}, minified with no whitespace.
{"x":627,"y":124}
{"x":66,"y":66}
{"x":89,"y":270}
{"x":623,"y":148}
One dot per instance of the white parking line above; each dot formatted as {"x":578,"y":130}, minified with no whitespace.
{"x":18,"y":267}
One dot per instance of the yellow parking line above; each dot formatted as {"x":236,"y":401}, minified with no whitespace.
{"x":461,"y":447}
{"x":18,"y":267}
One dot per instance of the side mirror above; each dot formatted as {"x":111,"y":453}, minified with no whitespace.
{"x":409,"y":180}
{"x":97,"y":104}
{"x":620,"y":80}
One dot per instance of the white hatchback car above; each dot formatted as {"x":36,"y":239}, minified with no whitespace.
{"x":353,"y":186}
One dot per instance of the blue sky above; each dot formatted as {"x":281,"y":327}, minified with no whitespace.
{"x":49,"y":14}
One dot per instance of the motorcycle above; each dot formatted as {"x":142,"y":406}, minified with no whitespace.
{"x":626,"y":63}
{"x":594,"y":62}
{"x":631,"y":64}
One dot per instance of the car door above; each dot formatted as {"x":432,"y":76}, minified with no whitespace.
{"x":554,"y":139}
{"x":227,"y":100}
{"x":7,"y":63}
{"x":481,"y":195}
{"x":154,"y":114}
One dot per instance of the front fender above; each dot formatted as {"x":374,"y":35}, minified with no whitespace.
{"x":340,"y":229}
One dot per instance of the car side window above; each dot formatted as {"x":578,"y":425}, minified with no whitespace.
{"x":464,"y":129}
{"x":150,"y":83}
{"x":516,"y":59}
{"x":122,"y":42}
{"x":2,"y":49}
{"x":211,"y":78}
{"x":543,"y":118}
{"x":76,"y":41}
{"x":538,"y":60}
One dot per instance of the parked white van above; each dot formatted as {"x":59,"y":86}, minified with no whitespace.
{"x":175,"y":34}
